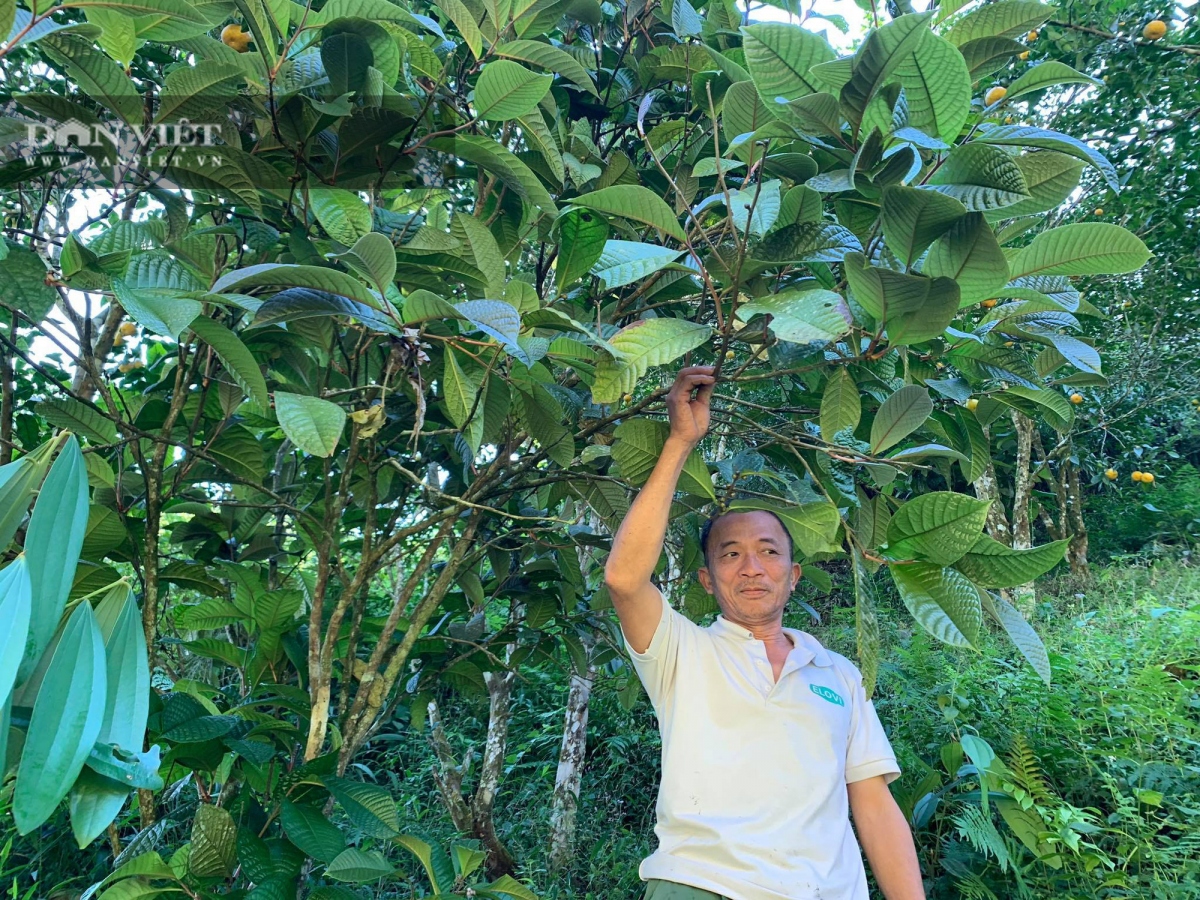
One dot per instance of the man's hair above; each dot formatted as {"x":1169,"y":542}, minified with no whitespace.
{"x":706,"y":530}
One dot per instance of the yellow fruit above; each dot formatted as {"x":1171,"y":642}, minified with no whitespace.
{"x":628,"y":398}
{"x":1098,"y":211}
{"x":1032,"y":36}
{"x":127,"y":329}
{"x":233,"y":36}
{"x":972,"y":403}
{"x":1136,"y":476}
{"x":1008,"y":120}
{"x":994,"y":95}
{"x":729,"y":354}
{"x":989,"y":304}
{"x":1110,"y":474}
{"x":1154,"y":30}
{"x":130,"y":366}
{"x":1076,"y":398}
{"x":1147,"y":478}
{"x":1010,"y":343}
{"x":1024,"y":55}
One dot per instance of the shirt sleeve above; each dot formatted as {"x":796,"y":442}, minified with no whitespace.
{"x":656,"y":666}
{"x":869,"y":752}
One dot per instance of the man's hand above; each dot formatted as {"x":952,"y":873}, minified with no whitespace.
{"x":690,"y":416}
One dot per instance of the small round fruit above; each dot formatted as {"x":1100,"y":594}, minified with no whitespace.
{"x":233,"y":36}
{"x":1195,"y":402}
{"x":1110,"y":474}
{"x":994,"y":95}
{"x":1032,"y":36}
{"x":1008,"y":120}
{"x":972,"y":404}
{"x":1024,"y":55}
{"x":127,"y":329}
{"x":1154,"y":30}
{"x":1098,"y":211}
{"x":1136,"y":476}
{"x":729,"y":354}
{"x":1076,"y":398}
{"x":1147,"y":478}
{"x":628,"y":398}
{"x":989,"y":303}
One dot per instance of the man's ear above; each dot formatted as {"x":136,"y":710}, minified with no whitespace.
{"x":797,"y":571}
{"x":706,"y":581}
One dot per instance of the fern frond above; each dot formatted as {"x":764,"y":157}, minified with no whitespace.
{"x":1027,"y":772}
{"x":978,"y":829}
{"x":971,"y":887}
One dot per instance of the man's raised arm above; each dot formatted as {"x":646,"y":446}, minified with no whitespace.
{"x":639,"y":540}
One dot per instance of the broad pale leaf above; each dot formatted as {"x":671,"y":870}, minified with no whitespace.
{"x":1021,"y":633}
{"x":913,"y":219}
{"x":981,"y":178}
{"x":939,"y":527}
{"x":1028,"y":136}
{"x":991,"y":564}
{"x":885,"y":49}
{"x":238,"y":360}
{"x":290,"y":275}
{"x":802,"y":316}
{"x":1045,"y":75}
{"x":344,"y":215}
{"x":214,"y":842}
{"x":550,"y":58}
{"x":899,"y":416}
{"x":15,"y":606}
{"x":75,"y":415}
{"x":374,"y":257}
{"x":159,"y":314}
{"x":780,"y":58}
{"x":582,"y":235}
{"x":645,"y":343}
{"x":1082,"y":248}
{"x":507,"y":89}
{"x":841,"y":406}
{"x":67,"y":716}
{"x":314,"y":425}
{"x":1006,"y":19}
{"x":632,"y":201}
{"x":639,"y":444}
{"x":937,"y":88}
{"x":359,"y":866}
{"x":369,"y":806}
{"x":969,"y":254}
{"x":813,"y":526}
{"x":624,"y":262}
{"x":1050,"y":177}
{"x":495,"y":159}
{"x":913,"y":308}
{"x":943,"y":601}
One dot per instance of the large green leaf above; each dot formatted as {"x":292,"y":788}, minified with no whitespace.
{"x":1006,"y":19}
{"x":885,"y":49}
{"x":624,"y":262}
{"x":374,"y":257}
{"x":943,"y":601}
{"x":900,"y":415}
{"x":1045,"y":75}
{"x":466,"y":22}
{"x":937,"y":88}
{"x":981,"y":178}
{"x":166,"y":316}
{"x":309,"y":829}
{"x":52,"y":543}
{"x":306,"y":303}
{"x":913,"y":308}
{"x":582,"y":235}
{"x":314,"y":425}
{"x":495,"y":159}
{"x":369,"y":807}
{"x":1081,"y":248}
{"x":290,"y":275}
{"x":639,"y":444}
{"x":991,"y":564}
{"x":632,"y":201}
{"x":67,"y":717}
{"x":507,"y":89}
{"x":438,"y":868}
{"x":1039,"y":403}
{"x":479,"y":247}
{"x":343,"y":214}
{"x":912,"y":219}
{"x":23,"y":282}
{"x":541,"y":416}
{"x":97,"y":75}
{"x":1021,"y":633}
{"x":214,"y":843}
{"x":359,"y":866}
{"x":841,"y":406}
{"x":970,"y":255}
{"x":780,"y":58}
{"x":813,"y":526}
{"x":15,"y":603}
{"x":1028,"y":136}
{"x":105,"y":532}
{"x":802,"y":316}
{"x":74,"y":415}
{"x":461,"y":391}
{"x":238,"y":360}
{"x":196,"y":92}
{"x":18,"y":482}
{"x":550,"y":58}
{"x":987,"y":55}
{"x":645,"y":343}
{"x":1050,"y":176}
{"x":938,"y":527}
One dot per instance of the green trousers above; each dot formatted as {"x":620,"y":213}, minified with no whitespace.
{"x":669,"y":890}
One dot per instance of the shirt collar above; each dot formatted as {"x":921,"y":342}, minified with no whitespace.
{"x":807,"y":648}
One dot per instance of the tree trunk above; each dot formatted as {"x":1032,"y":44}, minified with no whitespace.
{"x":570,"y":770}
{"x":1022,"y":530}
{"x":1078,"y":548}
{"x":986,"y":488}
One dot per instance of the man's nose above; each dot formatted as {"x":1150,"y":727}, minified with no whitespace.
{"x":752,"y":565}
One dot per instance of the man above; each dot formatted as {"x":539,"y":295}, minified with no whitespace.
{"x":769,"y":741}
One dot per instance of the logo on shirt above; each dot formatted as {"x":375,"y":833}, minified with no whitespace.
{"x":827,"y":694}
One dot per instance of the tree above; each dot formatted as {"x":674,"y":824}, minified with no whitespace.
{"x":354,"y":393}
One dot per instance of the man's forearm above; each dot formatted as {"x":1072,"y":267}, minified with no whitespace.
{"x":888,"y":844}
{"x":638,"y":543}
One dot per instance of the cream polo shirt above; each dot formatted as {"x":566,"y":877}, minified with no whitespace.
{"x":753,"y":801}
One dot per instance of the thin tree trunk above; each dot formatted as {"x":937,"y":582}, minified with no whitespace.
{"x":565,"y":804}
{"x":499,"y":685}
{"x":1078,"y":548}
{"x":1022,"y":530}
{"x":986,"y":488}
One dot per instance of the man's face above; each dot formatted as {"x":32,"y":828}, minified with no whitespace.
{"x":750,"y":573}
